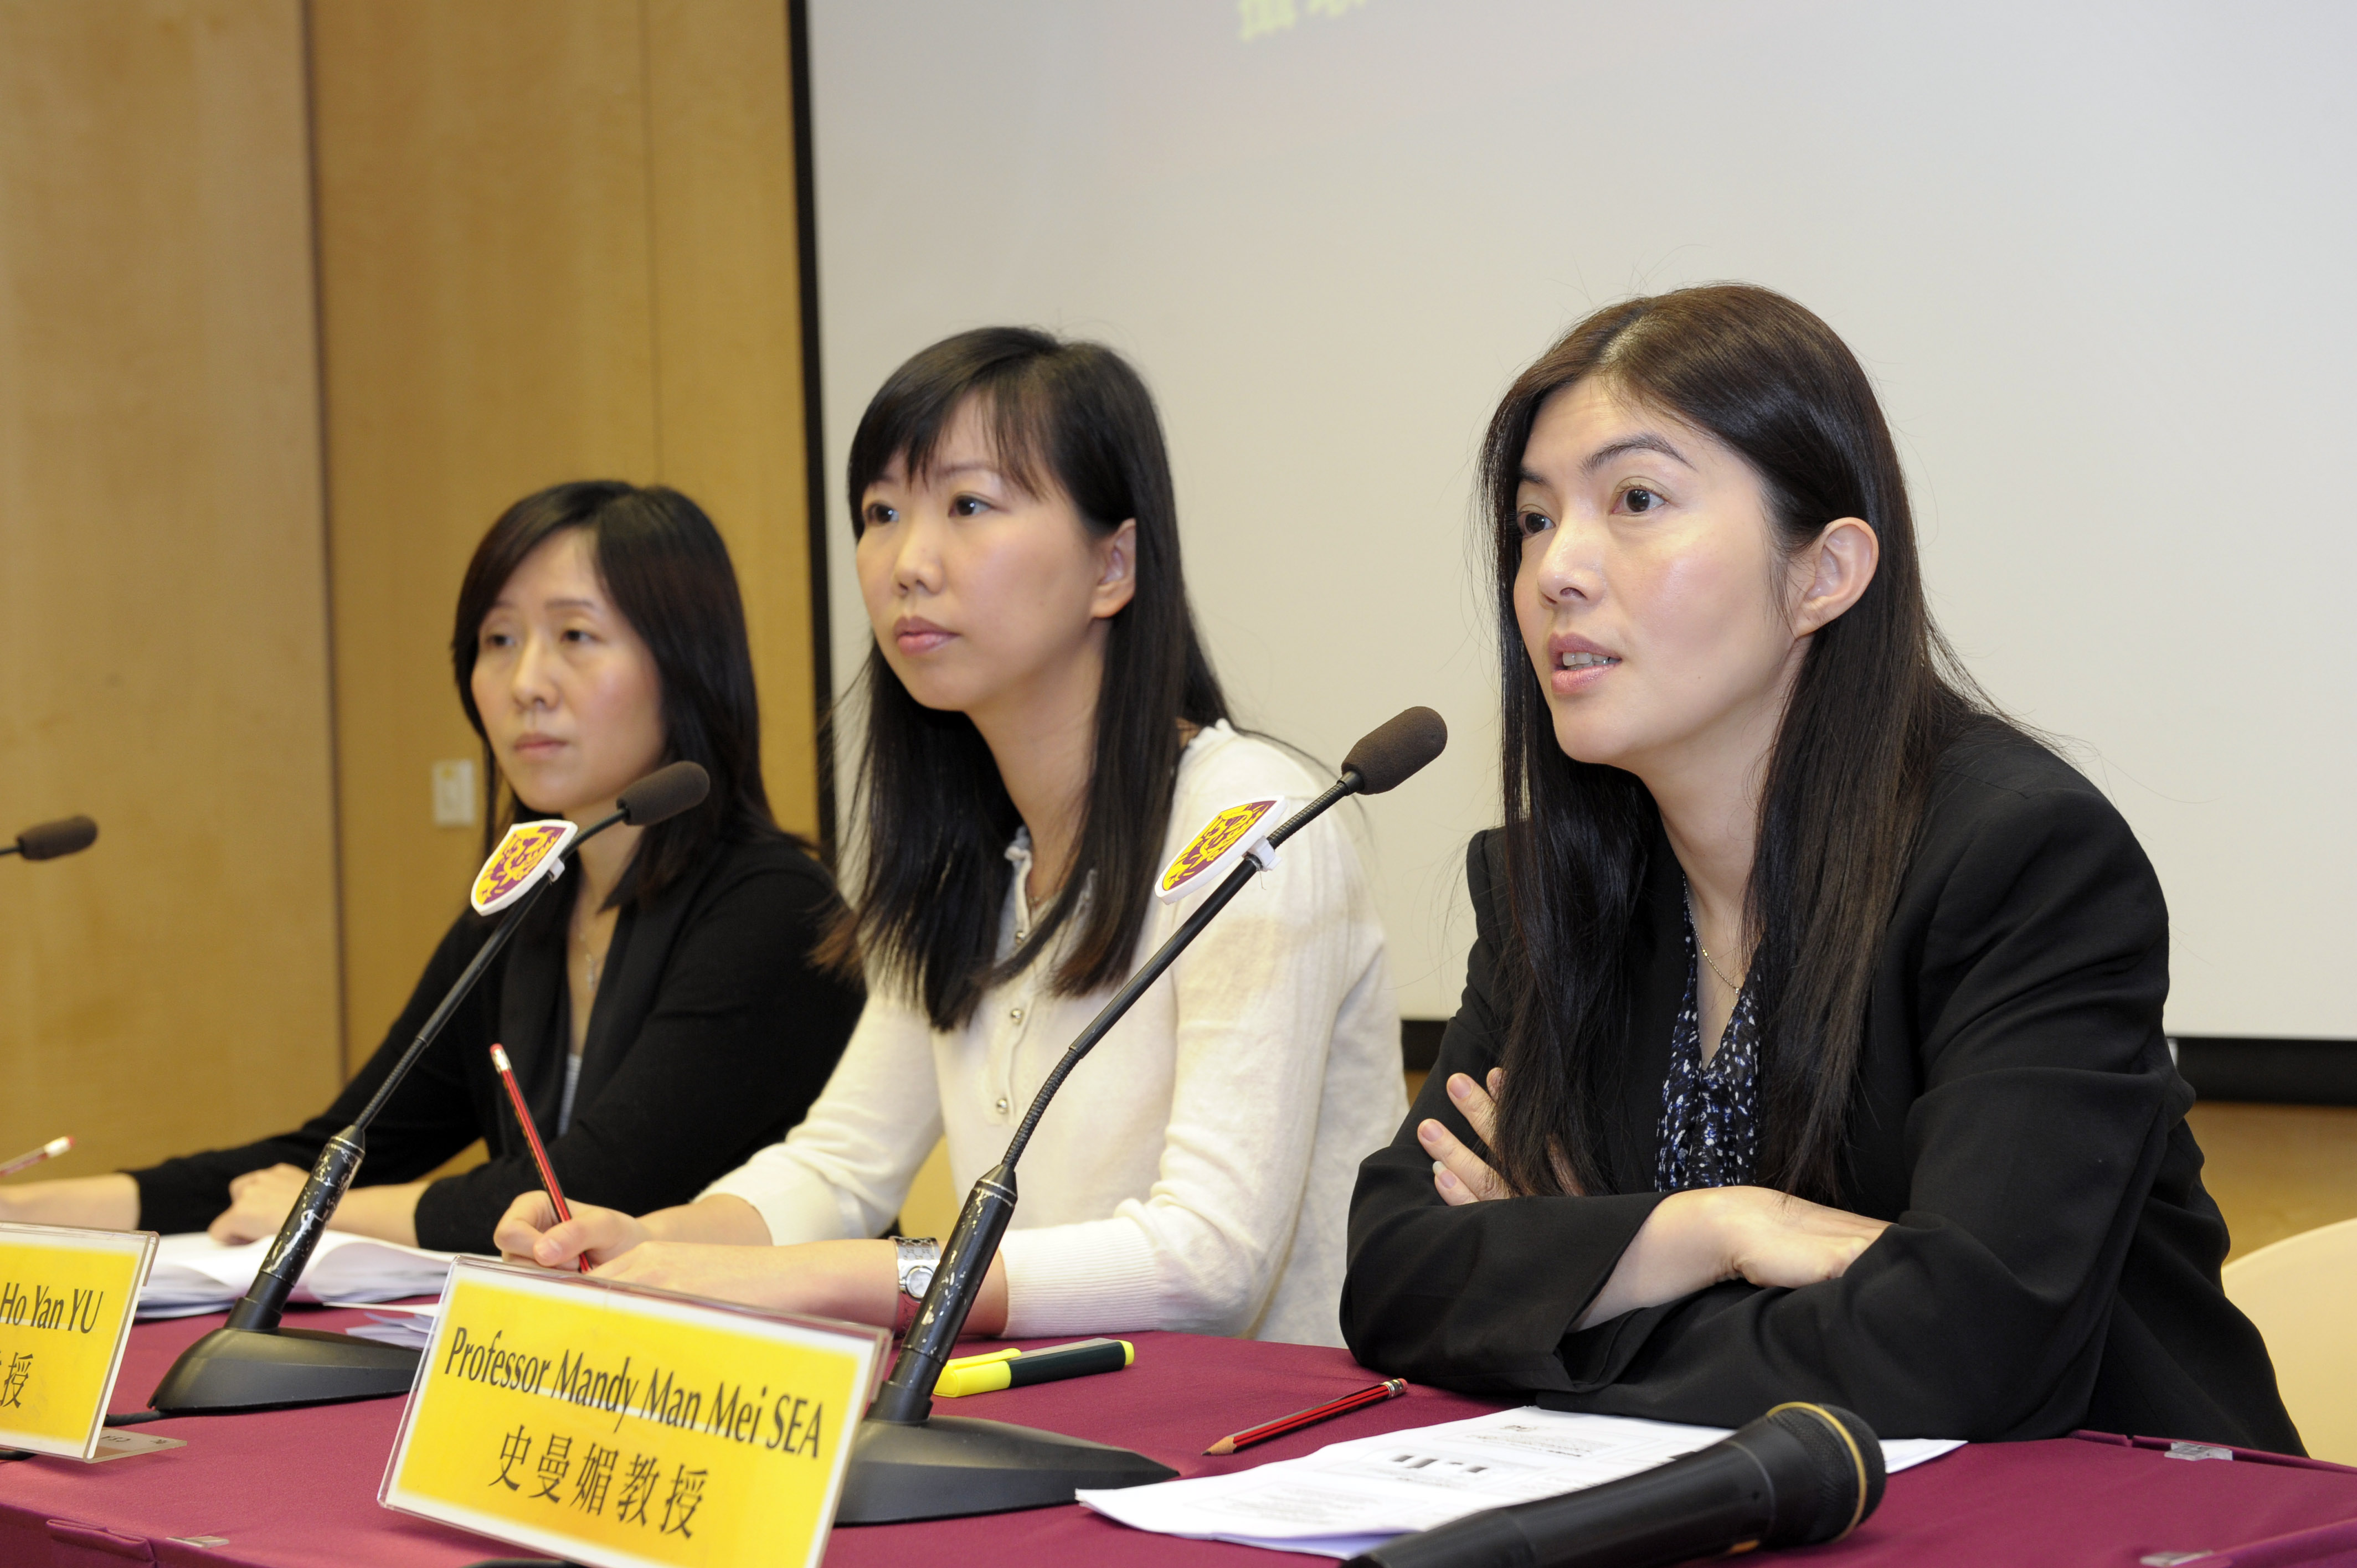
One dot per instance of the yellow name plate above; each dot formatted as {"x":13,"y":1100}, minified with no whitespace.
{"x":66,"y":1302}
{"x":621,"y":1426}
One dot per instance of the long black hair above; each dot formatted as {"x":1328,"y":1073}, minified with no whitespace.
{"x":1878,"y":698}
{"x":670,"y":575}
{"x":933,"y":876}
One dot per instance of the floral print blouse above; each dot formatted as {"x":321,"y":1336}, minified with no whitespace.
{"x":1710,"y":1115}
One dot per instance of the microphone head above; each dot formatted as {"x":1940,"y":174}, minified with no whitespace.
{"x":1386,"y":755}
{"x":664,"y":794}
{"x":67,"y":835}
{"x":1827,"y":1466}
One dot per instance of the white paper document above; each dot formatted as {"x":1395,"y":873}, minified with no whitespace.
{"x":410,"y":1328}
{"x":115,"y":1445}
{"x":1349,"y":1497}
{"x":195,"y":1274}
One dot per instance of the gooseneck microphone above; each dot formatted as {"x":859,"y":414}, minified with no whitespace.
{"x":1800,"y":1475}
{"x":662,"y":795}
{"x":908,"y":1464}
{"x":67,"y":835}
{"x":252,"y":1361}
{"x":1384,"y":758}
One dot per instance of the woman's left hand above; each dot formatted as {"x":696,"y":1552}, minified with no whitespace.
{"x":1459,"y":1173}
{"x":258,"y":1202}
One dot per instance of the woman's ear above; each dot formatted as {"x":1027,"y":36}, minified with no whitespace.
{"x":1118,"y":570}
{"x":1835,"y":568}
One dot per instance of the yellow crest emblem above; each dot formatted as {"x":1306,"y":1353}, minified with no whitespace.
{"x":529,"y":849}
{"x":1225,"y":837}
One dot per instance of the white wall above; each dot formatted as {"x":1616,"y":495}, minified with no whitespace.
{"x":2099,"y":257}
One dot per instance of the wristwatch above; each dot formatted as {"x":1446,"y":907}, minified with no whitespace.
{"x":918,"y":1257}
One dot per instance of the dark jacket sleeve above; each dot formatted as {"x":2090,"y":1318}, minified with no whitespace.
{"x":743,"y":1033}
{"x":2024,"y":1000}
{"x":429,"y":1119}
{"x":2046,"y":1102}
{"x":1476,"y":1297}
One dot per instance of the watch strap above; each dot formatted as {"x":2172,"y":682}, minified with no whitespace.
{"x":915,"y":1260}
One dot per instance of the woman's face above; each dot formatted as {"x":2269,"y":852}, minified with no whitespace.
{"x":985,"y":597}
{"x":569,"y":694}
{"x":1663,"y":622}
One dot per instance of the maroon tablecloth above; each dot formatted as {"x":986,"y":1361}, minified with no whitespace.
{"x":297,"y":1488}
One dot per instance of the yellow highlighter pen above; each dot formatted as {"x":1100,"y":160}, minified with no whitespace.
{"x":1018,"y":1369}
{"x":954,"y":1362}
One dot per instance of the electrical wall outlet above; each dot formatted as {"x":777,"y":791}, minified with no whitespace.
{"x":457,"y":803}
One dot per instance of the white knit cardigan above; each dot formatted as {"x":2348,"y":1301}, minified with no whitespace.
{"x":1195,"y":1172}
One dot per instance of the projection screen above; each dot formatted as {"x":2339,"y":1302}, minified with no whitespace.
{"x":2098,"y":257}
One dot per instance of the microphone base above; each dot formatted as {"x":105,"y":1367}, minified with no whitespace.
{"x":951,"y":1466}
{"x":241,"y":1370}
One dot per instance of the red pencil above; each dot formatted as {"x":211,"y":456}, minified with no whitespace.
{"x":1390,"y":1389}
{"x":48,"y":1151}
{"x":539,"y":1154}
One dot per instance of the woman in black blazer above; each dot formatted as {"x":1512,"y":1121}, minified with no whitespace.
{"x":664,"y":1021}
{"x":1811,"y":1043}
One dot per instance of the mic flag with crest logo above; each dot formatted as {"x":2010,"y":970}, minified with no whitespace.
{"x":1228,"y":837}
{"x":530,"y":851}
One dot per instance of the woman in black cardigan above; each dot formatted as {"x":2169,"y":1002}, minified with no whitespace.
{"x":1811,"y":1044}
{"x":665,"y":1021}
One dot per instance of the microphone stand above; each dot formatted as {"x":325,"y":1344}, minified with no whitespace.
{"x":908,"y":1464}
{"x":252,"y":1363}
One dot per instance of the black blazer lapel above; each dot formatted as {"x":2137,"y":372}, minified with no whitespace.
{"x":1659,"y":977}
{"x":626,"y":995}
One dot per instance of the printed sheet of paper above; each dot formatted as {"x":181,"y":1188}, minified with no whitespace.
{"x":410,"y":1328}
{"x":115,"y":1445}
{"x":1349,"y":1497}
{"x":195,"y":1274}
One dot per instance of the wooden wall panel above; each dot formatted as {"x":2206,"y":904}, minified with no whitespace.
{"x":556,"y":242}
{"x":2276,"y":1170}
{"x":163,"y":634}
{"x":728,"y":339}
{"x":484,"y":306}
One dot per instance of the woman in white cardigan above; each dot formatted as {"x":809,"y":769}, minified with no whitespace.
{"x":1044,"y":734}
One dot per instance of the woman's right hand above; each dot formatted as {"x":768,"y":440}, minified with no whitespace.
{"x":93,"y":1203}
{"x":528,"y":1233}
{"x":1459,"y":1175}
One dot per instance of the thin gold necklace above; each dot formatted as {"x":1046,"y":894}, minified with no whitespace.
{"x":1696,"y":927}
{"x":1730,"y":984}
